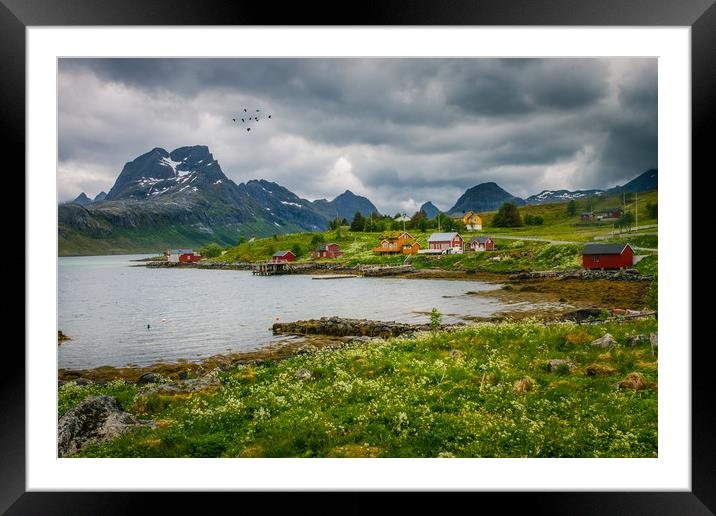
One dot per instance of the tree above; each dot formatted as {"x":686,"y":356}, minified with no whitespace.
{"x":334,"y":224}
{"x":317,"y":240}
{"x":507,"y":216}
{"x":344,"y":222}
{"x":423,"y":225}
{"x":626,"y":220}
{"x":652,"y":210}
{"x":210,"y":250}
{"x":358,"y":223}
{"x":417,"y":219}
{"x":297,"y":250}
{"x":533,"y":220}
{"x":242,"y":240}
{"x":571,"y":208}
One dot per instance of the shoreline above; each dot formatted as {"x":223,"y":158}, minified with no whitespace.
{"x":542,"y":296}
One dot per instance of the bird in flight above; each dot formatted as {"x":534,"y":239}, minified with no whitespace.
{"x":255,"y":118}
{"x":248,"y":128}
{"x":234,"y":119}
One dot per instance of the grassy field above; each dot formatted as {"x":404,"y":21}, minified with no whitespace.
{"x":482,"y":391}
{"x":513,"y":254}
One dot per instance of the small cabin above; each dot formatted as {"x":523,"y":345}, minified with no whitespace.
{"x":587,"y":217}
{"x":446,"y":241}
{"x":481,"y":243}
{"x":390,"y":244}
{"x":327,"y":251}
{"x":283,"y":256}
{"x":182,"y":256}
{"x":607,"y":256}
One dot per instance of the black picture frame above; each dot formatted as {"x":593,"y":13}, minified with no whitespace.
{"x":700,"y":15}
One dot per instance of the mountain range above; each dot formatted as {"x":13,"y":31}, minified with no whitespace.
{"x":183,"y":198}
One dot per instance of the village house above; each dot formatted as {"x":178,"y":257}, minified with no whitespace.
{"x":402,"y":218}
{"x":607,"y":256}
{"x":182,"y":256}
{"x":470,"y":219}
{"x":327,"y":251}
{"x":283,"y":256}
{"x":481,"y":243}
{"x":402,"y":243}
{"x":444,"y":242}
{"x":610,"y":214}
{"x":587,"y":216}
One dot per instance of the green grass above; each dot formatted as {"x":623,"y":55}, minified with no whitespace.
{"x":449,"y":394}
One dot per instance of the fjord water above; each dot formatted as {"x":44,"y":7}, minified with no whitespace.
{"x":105,"y":305}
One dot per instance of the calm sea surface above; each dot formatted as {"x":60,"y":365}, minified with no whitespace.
{"x":105,"y":305}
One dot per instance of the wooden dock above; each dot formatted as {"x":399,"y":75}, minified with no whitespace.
{"x":271,"y":268}
{"x":337,"y":276}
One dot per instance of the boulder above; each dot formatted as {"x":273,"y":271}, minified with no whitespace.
{"x":149,"y":378}
{"x":302,"y":374}
{"x":604,"y":342}
{"x":633,"y":381}
{"x":556,"y":363}
{"x":95,"y":419}
{"x":636,"y":340}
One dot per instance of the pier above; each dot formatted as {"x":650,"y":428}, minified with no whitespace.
{"x":271,"y":268}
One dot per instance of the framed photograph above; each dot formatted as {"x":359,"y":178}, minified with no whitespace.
{"x":416,"y":253}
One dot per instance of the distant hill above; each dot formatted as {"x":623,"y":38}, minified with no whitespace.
{"x":649,"y":180}
{"x":430,"y":210}
{"x":82,"y":200}
{"x":484,"y":197}
{"x":345,"y":206}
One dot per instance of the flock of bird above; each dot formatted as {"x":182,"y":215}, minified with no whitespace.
{"x":245,"y":120}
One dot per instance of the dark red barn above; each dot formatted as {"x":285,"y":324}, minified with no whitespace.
{"x":607,"y":256}
{"x":328,"y":251}
{"x":283,"y":256}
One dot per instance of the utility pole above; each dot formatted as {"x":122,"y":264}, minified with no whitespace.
{"x":636,"y":209}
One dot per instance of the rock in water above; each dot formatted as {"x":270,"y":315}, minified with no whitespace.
{"x":604,"y":342}
{"x":95,"y":419}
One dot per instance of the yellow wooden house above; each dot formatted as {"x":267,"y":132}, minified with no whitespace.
{"x":472,"y":220}
{"x":402,"y":243}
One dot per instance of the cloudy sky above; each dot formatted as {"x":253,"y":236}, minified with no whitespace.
{"x":399,"y":131}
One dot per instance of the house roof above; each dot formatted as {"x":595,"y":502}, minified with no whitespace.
{"x":324,"y":247}
{"x":181,"y":251}
{"x":604,"y":248}
{"x":481,"y":239}
{"x":458,"y":214}
{"x":281,"y":253}
{"x":442,"y":237}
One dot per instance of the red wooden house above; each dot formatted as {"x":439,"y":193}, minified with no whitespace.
{"x":607,"y":256}
{"x":327,"y":251}
{"x":182,"y":256}
{"x":480,"y":243}
{"x":283,"y":256}
{"x":446,"y":241}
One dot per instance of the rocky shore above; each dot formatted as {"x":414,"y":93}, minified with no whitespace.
{"x":586,"y":274}
{"x":341,"y":327}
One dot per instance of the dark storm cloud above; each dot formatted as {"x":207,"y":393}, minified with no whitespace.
{"x":401,"y":131}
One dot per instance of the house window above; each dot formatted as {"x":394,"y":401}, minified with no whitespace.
{"x":596,"y":258}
